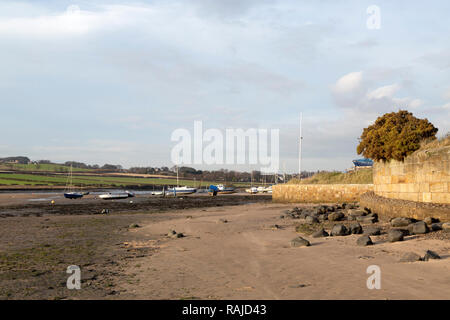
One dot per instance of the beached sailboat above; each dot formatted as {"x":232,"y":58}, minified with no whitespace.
{"x":116,"y":195}
{"x":221,"y":189}
{"x":69,"y":191}
{"x":180,"y":190}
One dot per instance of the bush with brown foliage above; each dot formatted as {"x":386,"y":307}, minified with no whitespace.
{"x":395,"y":135}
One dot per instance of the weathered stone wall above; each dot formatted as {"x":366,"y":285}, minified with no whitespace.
{"x":423,"y":176}
{"x":391,"y":208}
{"x":296,"y":193}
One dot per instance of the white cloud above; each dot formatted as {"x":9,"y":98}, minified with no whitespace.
{"x":384,"y":92}
{"x":348,"y":83}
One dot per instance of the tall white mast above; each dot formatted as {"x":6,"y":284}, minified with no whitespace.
{"x":300,"y":149}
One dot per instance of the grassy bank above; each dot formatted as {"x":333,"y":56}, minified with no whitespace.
{"x":362,"y":176}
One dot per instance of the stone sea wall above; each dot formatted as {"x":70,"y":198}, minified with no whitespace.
{"x":391,"y":208}
{"x":423,"y":176}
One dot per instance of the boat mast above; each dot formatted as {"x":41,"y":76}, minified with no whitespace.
{"x":300,"y":149}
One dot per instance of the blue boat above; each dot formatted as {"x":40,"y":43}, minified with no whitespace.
{"x":363,"y":162}
{"x":73,"y":195}
{"x":68,"y":192}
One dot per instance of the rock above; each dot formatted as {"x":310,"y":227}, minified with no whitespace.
{"x":320,"y":233}
{"x":356,"y":228}
{"x":436,"y":226}
{"x":282,"y":217}
{"x":430,"y":220}
{"x":351,"y":217}
{"x":366,"y":220}
{"x":134,"y":225}
{"x":410,"y":257}
{"x":339,"y":230}
{"x":372,"y":231}
{"x":446,"y":227}
{"x":401,"y":222}
{"x":300,"y":242}
{"x":223,"y":220}
{"x":367,"y":210}
{"x":430,"y":255}
{"x":172,"y":233}
{"x":419,"y":227}
{"x":179,"y":235}
{"x":322,"y":217}
{"x":395,"y":235}
{"x":105,"y":211}
{"x":372,"y":215}
{"x":335,"y":216}
{"x":364,"y":241}
{"x":356,"y":212}
{"x":303,"y":215}
{"x":311,"y":220}
{"x":404,"y":231}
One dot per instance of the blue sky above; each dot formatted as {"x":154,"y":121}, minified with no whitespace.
{"x":109,"y":81}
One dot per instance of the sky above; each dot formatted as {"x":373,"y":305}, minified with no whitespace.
{"x":109,"y":81}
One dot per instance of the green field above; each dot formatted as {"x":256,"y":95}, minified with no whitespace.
{"x":18,"y":179}
{"x":39,"y":167}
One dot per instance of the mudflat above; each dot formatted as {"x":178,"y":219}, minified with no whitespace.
{"x":227,"y":252}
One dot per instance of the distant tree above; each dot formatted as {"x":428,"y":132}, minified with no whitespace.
{"x":394,"y":136}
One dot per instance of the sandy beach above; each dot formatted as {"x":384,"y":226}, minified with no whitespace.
{"x":227,"y":252}
{"x":247,"y":258}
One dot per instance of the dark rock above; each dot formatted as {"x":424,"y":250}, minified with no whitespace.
{"x":300,"y":242}
{"x":282,"y":217}
{"x":339,"y":230}
{"x":366,"y":220}
{"x":179,"y":235}
{"x":410,"y":257}
{"x":335,"y":216}
{"x":401,"y":222}
{"x":311,"y":220}
{"x":367,"y":210}
{"x":356,"y":212}
{"x":223,"y":220}
{"x":372,"y":215}
{"x":303,"y":215}
{"x":404,"y":231}
{"x":320,"y":233}
{"x":364,"y":241}
{"x":356,"y":228}
{"x":395,"y":235}
{"x":430,"y":220}
{"x":419,"y":227}
{"x":430,"y":255}
{"x":372,"y":231}
{"x":134,"y":225}
{"x":436,"y":226}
